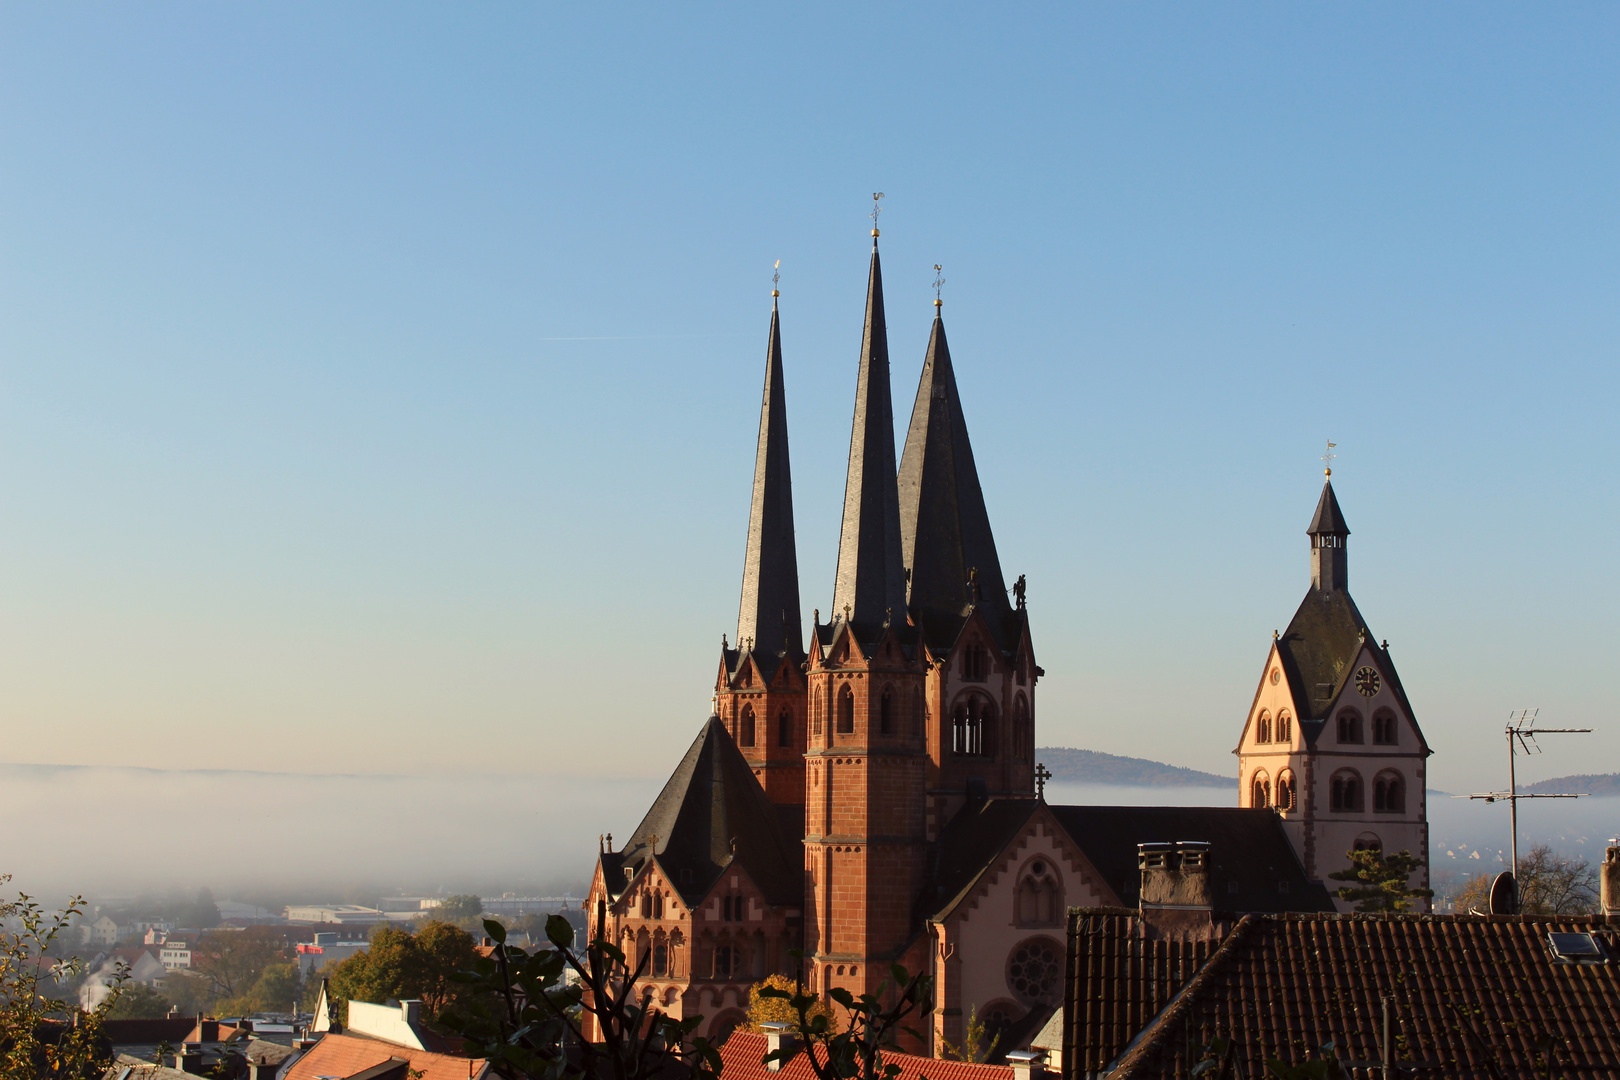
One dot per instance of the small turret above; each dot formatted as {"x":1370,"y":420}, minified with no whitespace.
{"x":1328,"y":532}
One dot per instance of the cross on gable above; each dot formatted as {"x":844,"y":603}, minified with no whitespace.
{"x":1042,"y":775}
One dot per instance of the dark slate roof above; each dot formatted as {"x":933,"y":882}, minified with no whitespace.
{"x":711,"y":801}
{"x":970,"y":841}
{"x":1248,"y":848}
{"x":1329,"y":519}
{"x":1319,"y":647}
{"x":1470,"y":996}
{"x":944,"y":526}
{"x":768,"y":616}
{"x":871,"y":575}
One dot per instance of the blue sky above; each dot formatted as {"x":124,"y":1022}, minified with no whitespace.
{"x":378,"y":383}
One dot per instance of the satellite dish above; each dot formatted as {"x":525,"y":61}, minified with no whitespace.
{"x":1504,"y":894}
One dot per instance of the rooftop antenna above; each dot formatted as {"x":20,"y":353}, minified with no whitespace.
{"x":1327,"y":458}
{"x":1521,"y":734}
{"x":877,"y":208}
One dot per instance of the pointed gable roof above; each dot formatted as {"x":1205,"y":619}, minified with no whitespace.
{"x":711,"y":802}
{"x":768,"y":616}
{"x":1317,"y":649}
{"x":871,"y":575}
{"x":1329,"y":519}
{"x":944,"y":526}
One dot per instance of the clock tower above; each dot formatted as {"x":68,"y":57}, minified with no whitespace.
{"x":1331,"y":741}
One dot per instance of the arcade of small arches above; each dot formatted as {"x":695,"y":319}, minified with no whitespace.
{"x":1285,"y":797}
{"x":1385,"y":730}
{"x":1265,"y":731}
{"x":746,"y":730}
{"x":1347,"y":792}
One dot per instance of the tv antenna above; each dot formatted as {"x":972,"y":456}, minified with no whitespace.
{"x":1521,"y":734}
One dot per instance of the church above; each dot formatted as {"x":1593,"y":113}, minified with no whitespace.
{"x":868,"y":793}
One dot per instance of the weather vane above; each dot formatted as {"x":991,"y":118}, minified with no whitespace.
{"x":1327,"y":458}
{"x":776,"y":276}
{"x":877,"y":208}
{"x":939,"y":282}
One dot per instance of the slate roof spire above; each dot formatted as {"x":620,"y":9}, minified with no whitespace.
{"x":768,"y":618}
{"x":1329,"y":533}
{"x":871,"y":576}
{"x":944,"y":526}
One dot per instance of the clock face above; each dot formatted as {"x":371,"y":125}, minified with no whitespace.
{"x":1366,"y":681}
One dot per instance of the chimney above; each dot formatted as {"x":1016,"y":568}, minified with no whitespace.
{"x":1609,"y":881}
{"x":263,"y":1070}
{"x":245,"y":1025}
{"x":1175,"y":876}
{"x":1027,"y":1064}
{"x":189,"y":1059}
{"x":778,"y":1036}
{"x":411,"y":1012}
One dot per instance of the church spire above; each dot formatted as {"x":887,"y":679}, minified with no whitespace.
{"x":1328,"y":533}
{"x":946,"y":540}
{"x":871,"y":582}
{"x":768,"y":619}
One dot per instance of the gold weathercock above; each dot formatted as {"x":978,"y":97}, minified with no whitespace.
{"x":1327,"y":458}
{"x":877,"y":208}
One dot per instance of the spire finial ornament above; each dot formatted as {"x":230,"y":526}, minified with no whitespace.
{"x":939,"y":283}
{"x":877,"y":208}
{"x":1327,"y":458}
{"x":776,"y":277}
{"x":1042,"y":775}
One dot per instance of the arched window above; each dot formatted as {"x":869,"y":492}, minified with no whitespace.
{"x":846,"y":711}
{"x":1262,"y":728}
{"x":1383,"y":725}
{"x":1344,"y":793}
{"x":1349,"y":726}
{"x":1389,"y":794}
{"x":746,"y":734}
{"x":676,"y":941}
{"x":820,"y":712}
{"x":658,"y":905}
{"x":1039,"y":895}
{"x":1368,"y":842}
{"x":784,"y":728}
{"x":972,"y":727}
{"x":646,"y":905}
{"x":660,"y":956}
{"x":886,"y":713}
{"x":1021,"y":730}
{"x":1285,"y":727}
{"x":725,"y":961}
{"x":1260,"y":791}
{"x":1285,"y":792}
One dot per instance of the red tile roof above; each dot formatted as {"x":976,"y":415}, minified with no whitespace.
{"x":1470,"y":996}
{"x":744,"y":1058}
{"x":346,"y":1055}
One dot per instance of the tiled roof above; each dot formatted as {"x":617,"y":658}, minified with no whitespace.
{"x":346,"y":1056}
{"x":744,"y":1058}
{"x":1470,"y":996}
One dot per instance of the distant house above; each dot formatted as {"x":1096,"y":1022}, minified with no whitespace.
{"x":106,"y":931}
{"x":341,"y":914}
{"x":145,"y":967}
{"x":175,"y":954}
{"x":325,"y":948}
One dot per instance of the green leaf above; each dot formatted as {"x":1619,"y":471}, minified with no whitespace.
{"x":842,"y":996}
{"x":561,"y":933}
{"x":496,"y":932}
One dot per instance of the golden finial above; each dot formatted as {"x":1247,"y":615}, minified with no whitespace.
{"x":876,"y":210}
{"x":1327,"y":458}
{"x":776,"y":277}
{"x":939,"y":283}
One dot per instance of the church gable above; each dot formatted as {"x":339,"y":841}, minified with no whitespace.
{"x":1369,"y":713}
{"x":1273,"y":722}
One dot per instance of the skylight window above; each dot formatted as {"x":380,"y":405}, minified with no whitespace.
{"x":1577,"y":949}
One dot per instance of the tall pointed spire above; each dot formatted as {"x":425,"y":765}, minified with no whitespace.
{"x":1330,"y":568}
{"x":945,"y":529}
{"x":768,"y":619}
{"x":871,"y":577}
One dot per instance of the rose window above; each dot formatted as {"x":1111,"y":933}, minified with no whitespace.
{"x":1035,"y":971}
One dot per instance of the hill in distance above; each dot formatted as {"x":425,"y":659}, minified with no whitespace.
{"x":1584,"y":783}
{"x":1094,"y":767}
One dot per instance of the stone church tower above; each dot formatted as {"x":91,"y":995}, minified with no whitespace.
{"x":1331,"y":742}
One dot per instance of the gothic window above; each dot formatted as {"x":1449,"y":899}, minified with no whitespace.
{"x":1384,"y":729}
{"x":971,"y":724}
{"x":846,"y":711}
{"x":660,"y":956}
{"x":975,"y":663}
{"x":1344,"y":793}
{"x":746,"y":735}
{"x":646,"y":905}
{"x":1035,"y":971}
{"x":1023,"y":740}
{"x":731,"y":908}
{"x":1349,"y":727}
{"x":886,"y":713}
{"x":1262,"y":728}
{"x":1285,"y":727}
{"x":1389,"y":796}
{"x":1039,"y":895}
{"x":819,"y":712}
{"x":784,"y":728}
{"x":1368,"y":842}
{"x":1285,"y":792}
{"x":1260,"y":791}
{"x":725,"y":961}
{"x":658,"y":906}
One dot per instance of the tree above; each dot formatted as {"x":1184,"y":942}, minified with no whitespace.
{"x":401,"y":965}
{"x":1383,"y":880}
{"x":201,"y":913}
{"x":523,"y":1016}
{"x":1549,"y":884}
{"x":41,"y":1036}
{"x":776,"y":1010}
{"x":276,"y":990}
{"x":139,"y":1002}
{"x":233,"y":960}
{"x":855,"y":1052}
{"x":462,"y":910}
{"x":973,"y":1050}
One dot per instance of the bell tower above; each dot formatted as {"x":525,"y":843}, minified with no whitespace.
{"x":866,"y":763}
